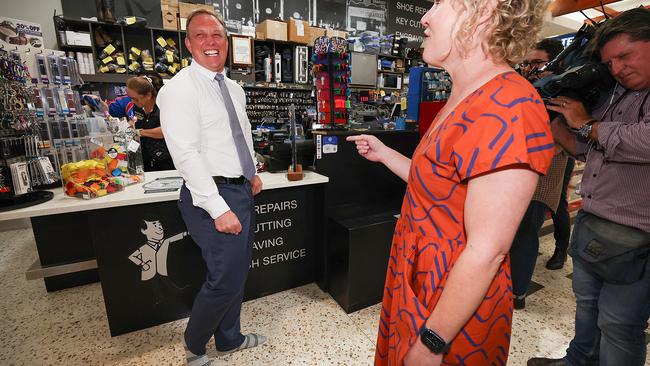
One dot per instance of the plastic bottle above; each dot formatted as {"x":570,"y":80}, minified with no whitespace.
{"x":268,"y":69}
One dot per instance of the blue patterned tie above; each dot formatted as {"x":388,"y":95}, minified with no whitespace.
{"x":237,"y":133}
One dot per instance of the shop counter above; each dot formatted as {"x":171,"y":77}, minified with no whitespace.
{"x":363,"y":199}
{"x":146,"y":282}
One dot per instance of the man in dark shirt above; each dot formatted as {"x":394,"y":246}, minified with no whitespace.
{"x":611,"y":317}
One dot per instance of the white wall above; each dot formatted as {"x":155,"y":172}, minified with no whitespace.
{"x":36,"y":11}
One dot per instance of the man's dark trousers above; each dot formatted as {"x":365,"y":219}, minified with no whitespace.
{"x":610,"y":319}
{"x":523,"y":253}
{"x":217,"y":306}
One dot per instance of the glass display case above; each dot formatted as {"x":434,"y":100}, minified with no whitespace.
{"x":102,"y":157}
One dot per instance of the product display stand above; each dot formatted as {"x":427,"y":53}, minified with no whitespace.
{"x":331,"y":75}
{"x":25,"y":166}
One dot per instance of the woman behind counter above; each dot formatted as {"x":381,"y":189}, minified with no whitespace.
{"x":143,"y":90}
{"x":448,"y":295}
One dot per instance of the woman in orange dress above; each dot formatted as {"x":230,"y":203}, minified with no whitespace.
{"x":448,"y":293}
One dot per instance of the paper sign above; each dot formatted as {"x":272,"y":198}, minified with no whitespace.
{"x":330,"y":144}
{"x":300,"y":29}
{"x":16,"y":32}
{"x":133,"y":146}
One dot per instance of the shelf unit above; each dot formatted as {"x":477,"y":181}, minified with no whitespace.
{"x":145,"y":38}
{"x":129,"y":36}
{"x":277,"y":86}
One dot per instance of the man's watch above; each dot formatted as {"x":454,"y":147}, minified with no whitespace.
{"x":585,"y":130}
{"x":433,"y":341}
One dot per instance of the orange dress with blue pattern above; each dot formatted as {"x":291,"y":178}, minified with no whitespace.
{"x":503,"y":123}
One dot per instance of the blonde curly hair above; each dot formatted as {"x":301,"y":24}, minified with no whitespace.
{"x":512,"y":30}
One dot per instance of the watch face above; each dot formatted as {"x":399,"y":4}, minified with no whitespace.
{"x":432,"y":341}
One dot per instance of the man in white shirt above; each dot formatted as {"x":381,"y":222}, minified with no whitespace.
{"x":203,"y":117}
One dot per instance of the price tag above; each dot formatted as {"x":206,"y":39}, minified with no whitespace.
{"x":136,"y":51}
{"x":170,"y":56}
{"x":133,"y":146}
{"x":107,"y":59}
{"x":120,"y":60}
{"x":319,"y":144}
{"x":130,"y":20}
{"x":109,"y":49}
{"x":161,"y":41}
{"x":171,"y":42}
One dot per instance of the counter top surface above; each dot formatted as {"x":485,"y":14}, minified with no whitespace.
{"x":134,"y":195}
{"x":361,"y":132}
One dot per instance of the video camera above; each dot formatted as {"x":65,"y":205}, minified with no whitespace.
{"x":575,"y":75}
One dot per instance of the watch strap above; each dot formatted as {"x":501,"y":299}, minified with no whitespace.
{"x":434,"y":342}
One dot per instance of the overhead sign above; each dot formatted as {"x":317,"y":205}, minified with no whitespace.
{"x":404,"y":18}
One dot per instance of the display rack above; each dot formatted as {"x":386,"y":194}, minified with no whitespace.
{"x":264,"y":105}
{"x":32,"y":103}
{"x":125,"y":38}
{"x":331,"y":77}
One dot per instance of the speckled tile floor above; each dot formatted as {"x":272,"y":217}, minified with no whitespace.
{"x":305,"y":326}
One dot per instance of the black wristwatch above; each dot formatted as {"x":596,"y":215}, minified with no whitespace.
{"x":433,"y":341}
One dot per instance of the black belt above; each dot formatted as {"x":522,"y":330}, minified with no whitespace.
{"x":225,"y":180}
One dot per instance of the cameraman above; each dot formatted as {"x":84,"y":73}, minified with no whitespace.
{"x":611,"y":238}
{"x":545,"y":51}
{"x":547,"y":196}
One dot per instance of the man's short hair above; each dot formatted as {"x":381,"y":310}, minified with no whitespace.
{"x":551,"y":46}
{"x":634,"y":22}
{"x":198,"y":12}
